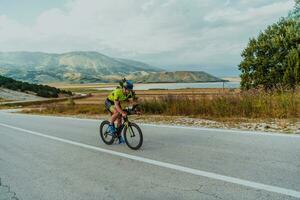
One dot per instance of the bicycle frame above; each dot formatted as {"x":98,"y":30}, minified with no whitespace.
{"x":125,"y":122}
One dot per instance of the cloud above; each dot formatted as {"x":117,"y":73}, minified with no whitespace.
{"x":263,"y":13}
{"x":162,"y":32}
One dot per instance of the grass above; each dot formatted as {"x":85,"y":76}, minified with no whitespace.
{"x":66,"y":109}
{"x":4,"y":100}
{"x":252,"y":110}
{"x":249,"y":105}
{"x":246,"y":105}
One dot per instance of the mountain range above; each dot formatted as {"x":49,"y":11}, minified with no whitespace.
{"x":87,"y":66}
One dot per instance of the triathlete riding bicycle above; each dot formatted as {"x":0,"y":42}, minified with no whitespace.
{"x":113,"y":104}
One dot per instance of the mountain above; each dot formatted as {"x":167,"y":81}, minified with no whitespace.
{"x":87,"y":67}
{"x":176,"y":77}
{"x":68,"y":67}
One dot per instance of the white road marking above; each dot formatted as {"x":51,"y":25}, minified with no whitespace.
{"x":219,"y":130}
{"x":211,"y":175}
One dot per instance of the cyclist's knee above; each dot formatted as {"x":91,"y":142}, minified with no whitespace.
{"x":119,"y":116}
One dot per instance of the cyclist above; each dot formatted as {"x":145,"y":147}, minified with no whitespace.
{"x":113,"y":105}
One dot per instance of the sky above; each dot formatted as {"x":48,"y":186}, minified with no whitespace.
{"x":201,"y":35}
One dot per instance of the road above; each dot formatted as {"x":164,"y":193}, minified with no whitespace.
{"x":62,"y":158}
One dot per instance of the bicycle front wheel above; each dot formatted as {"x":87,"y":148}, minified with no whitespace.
{"x":133,"y":136}
{"x":105,"y":136}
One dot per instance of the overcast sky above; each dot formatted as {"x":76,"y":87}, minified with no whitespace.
{"x":199,"y":35}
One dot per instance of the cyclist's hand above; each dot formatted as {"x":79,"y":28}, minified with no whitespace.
{"x":124,"y":114}
{"x":138,"y":112}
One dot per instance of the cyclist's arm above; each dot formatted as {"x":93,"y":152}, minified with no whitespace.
{"x":118,"y":107}
{"x":134,"y":98}
{"x":133,"y":101}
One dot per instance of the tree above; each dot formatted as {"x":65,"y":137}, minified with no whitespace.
{"x":297,"y":66}
{"x":295,"y":13}
{"x":272,"y":59}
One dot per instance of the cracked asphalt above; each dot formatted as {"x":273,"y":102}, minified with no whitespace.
{"x":39,"y":168}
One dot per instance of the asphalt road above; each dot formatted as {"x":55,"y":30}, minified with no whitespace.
{"x":62,"y":158}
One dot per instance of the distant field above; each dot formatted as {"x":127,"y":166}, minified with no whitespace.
{"x":96,"y":88}
{"x":99,"y":96}
{"x":3,"y":100}
{"x":83,"y":88}
{"x":77,"y":86}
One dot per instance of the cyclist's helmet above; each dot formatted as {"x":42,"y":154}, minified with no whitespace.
{"x":128,"y":85}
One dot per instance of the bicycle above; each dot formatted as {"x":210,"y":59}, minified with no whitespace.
{"x":133,"y":139}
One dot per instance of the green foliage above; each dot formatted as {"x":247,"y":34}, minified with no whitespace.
{"x":272,"y":59}
{"x":40,"y":90}
{"x":295,"y":13}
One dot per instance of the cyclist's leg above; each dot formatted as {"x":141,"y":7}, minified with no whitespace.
{"x":111,"y":128}
{"x":119,"y":121}
{"x":119,"y":124}
{"x":115,"y":114}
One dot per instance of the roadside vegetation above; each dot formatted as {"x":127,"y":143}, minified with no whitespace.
{"x":249,"y":104}
{"x":3,"y":100}
{"x":68,"y":109}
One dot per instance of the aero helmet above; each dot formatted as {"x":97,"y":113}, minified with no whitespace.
{"x":128,"y":85}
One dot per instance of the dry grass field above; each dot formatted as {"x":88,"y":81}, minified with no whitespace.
{"x":216,"y":103}
{"x":257,"y":110}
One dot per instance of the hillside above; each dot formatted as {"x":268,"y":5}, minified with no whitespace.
{"x":39,"y":90}
{"x":40,"y":67}
{"x":12,"y":95}
{"x":177,"y":77}
{"x":87,"y":67}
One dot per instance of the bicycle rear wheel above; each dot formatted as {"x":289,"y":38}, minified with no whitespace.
{"x":133,"y":136}
{"x":105,"y":136}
